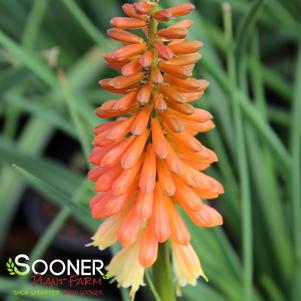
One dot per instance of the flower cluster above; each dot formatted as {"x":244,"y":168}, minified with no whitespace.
{"x":147,"y":160}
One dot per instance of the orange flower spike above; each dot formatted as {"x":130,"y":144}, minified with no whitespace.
{"x":145,"y":93}
{"x":127,"y":23}
{"x":134,"y":152}
{"x":165,"y":179}
{"x":148,"y":173}
{"x":123,"y":36}
{"x":146,"y":59}
{"x":148,"y":252}
{"x":148,"y":161}
{"x":181,"y":9}
{"x":160,"y":216}
{"x":159,"y":140}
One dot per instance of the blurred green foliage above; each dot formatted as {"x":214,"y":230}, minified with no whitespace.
{"x":50,"y":61}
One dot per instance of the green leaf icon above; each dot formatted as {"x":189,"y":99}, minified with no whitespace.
{"x":10,"y":266}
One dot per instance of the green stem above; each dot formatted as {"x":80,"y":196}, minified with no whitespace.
{"x":163,"y":276}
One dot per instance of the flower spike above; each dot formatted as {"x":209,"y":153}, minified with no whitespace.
{"x":148,"y":161}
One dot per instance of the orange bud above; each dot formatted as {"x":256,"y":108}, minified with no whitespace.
{"x":126,"y":101}
{"x":173,"y":33}
{"x":178,"y":71}
{"x":142,"y":7}
{"x":131,"y":68}
{"x":188,"y":84}
{"x":128,"y":51}
{"x":181,"y":9}
{"x":127,"y":23}
{"x":124,"y":36}
{"x":159,"y":103}
{"x":172,"y":122}
{"x":186,"y":197}
{"x":129,"y":230}
{"x":121,"y":82}
{"x":141,"y":121}
{"x":148,"y":173}
{"x":185,"y":59}
{"x":148,"y":252}
{"x":105,"y":181}
{"x":206,"y":217}
{"x":133,"y":154}
{"x":146,"y":59}
{"x":127,"y":178}
{"x":179,"y":231}
{"x":163,"y":15}
{"x":119,"y":131}
{"x":165,"y":179}
{"x":95,"y":173}
{"x":145,"y":93}
{"x":182,"y":24}
{"x":156,"y":76}
{"x":163,"y":50}
{"x":161,"y":225}
{"x":171,"y":93}
{"x":184,"y":108}
{"x":130,"y":11}
{"x":173,"y":162}
{"x":113,"y":156}
{"x":186,"y":47}
{"x":144,"y":204}
{"x":190,"y":142}
{"x":159,"y":140}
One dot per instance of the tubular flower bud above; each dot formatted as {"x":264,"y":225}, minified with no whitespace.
{"x":148,"y":161}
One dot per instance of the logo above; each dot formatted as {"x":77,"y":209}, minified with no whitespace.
{"x":80,"y":276}
{"x":22,"y":265}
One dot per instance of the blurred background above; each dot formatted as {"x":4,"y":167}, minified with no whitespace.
{"x":51,"y":58}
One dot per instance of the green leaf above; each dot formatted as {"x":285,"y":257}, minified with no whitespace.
{"x":28,"y":58}
{"x":81,"y":212}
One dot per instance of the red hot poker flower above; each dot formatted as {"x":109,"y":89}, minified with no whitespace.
{"x":148,"y":161}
